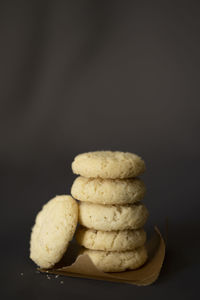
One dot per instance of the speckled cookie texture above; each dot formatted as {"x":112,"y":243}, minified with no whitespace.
{"x":117,"y":261}
{"x":54,"y":227}
{"x":108,"y":191}
{"x":112,"y":217}
{"x":123,"y":240}
{"x":108,"y":164}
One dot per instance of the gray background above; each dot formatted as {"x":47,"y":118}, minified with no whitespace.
{"x":78,"y":76}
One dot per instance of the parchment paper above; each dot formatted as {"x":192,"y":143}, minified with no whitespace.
{"x":146,"y":275}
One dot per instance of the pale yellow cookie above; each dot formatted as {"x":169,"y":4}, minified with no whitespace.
{"x":108,"y":164}
{"x":108,"y":191}
{"x":117,"y":261}
{"x":54,"y":227}
{"x":122,"y":240}
{"x":112,"y":217}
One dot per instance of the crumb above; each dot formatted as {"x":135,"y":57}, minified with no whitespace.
{"x":61,"y":282}
{"x":56,"y":276}
{"x":48,"y":277}
{"x":21,"y":274}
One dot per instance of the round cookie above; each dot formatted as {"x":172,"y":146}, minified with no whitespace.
{"x":117,"y":261}
{"x":108,"y":164}
{"x":112,"y":217}
{"x":54,"y":227}
{"x":123,"y":240}
{"x":108,"y":191}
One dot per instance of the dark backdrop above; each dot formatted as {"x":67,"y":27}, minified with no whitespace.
{"x":77,"y":76}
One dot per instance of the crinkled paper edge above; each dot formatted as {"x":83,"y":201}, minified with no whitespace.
{"x":83,"y":267}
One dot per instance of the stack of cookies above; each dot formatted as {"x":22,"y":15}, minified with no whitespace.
{"x":111,"y":214}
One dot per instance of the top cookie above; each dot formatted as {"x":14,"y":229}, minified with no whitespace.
{"x":54,"y":227}
{"x":108,"y":164}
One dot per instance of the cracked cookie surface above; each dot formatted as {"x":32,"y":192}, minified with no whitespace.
{"x":54,"y":227}
{"x":117,"y":261}
{"x":108,"y":164}
{"x":123,"y":240}
{"x":108,"y":191}
{"x":112,"y":217}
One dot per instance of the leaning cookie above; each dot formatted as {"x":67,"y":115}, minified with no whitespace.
{"x":117,"y":261}
{"x":112,"y":217}
{"x":54,"y":227}
{"x":108,"y":164}
{"x":108,"y":191}
{"x":122,"y":240}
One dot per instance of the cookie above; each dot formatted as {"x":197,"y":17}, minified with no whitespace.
{"x":117,"y":261}
{"x":108,"y":191}
{"x":54,"y":227}
{"x":108,"y":164}
{"x":112,"y":217}
{"x":123,"y":240}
